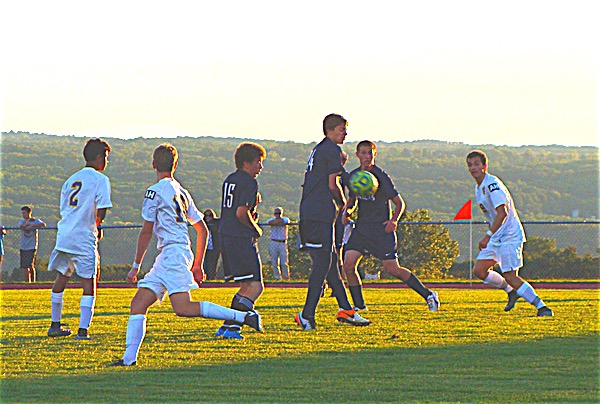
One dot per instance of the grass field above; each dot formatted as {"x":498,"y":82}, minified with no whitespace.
{"x":469,"y":351}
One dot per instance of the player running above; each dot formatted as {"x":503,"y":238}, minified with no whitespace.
{"x":375,"y":231}
{"x":240,"y":232}
{"x":503,"y":242}
{"x":166,"y":210}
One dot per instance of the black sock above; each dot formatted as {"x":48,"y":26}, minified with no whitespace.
{"x":415,"y":284}
{"x":321,"y":261}
{"x":239,"y":303}
{"x":357,"y":296}
{"x":338,"y":290}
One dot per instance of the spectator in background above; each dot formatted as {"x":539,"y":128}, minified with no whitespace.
{"x":278,"y":246}
{"x":213,"y":246}
{"x":2,"y":233}
{"x":29,"y":242}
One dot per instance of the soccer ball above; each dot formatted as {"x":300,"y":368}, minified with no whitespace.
{"x":363,"y":183}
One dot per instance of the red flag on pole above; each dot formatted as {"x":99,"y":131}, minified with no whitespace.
{"x":465,"y":213}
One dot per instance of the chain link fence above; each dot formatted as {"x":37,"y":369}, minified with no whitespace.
{"x":555,"y":250}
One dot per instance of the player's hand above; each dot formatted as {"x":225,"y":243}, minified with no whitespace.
{"x":259,"y":230}
{"x":483,"y":243}
{"x":132,"y":275}
{"x":390,"y":226}
{"x":198,"y":274}
{"x":100,"y":233}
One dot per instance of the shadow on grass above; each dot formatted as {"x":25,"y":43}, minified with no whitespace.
{"x":549,"y":369}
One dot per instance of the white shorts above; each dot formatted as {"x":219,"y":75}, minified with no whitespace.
{"x":171,"y":272}
{"x":508,"y":256}
{"x":86,"y":266}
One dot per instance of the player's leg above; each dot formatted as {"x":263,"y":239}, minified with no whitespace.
{"x":483,"y":270}
{"x":393,"y":268}
{"x":136,"y":326}
{"x":351,"y":260}
{"x":64,"y":267}
{"x":86,"y":306}
{"x":33,"y":271}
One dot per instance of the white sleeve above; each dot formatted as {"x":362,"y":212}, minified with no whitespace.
{"x":193,"y":214}
{"x":103,"y":195}
{"x":150,"y":206}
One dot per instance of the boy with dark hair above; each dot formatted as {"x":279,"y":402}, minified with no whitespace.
{"x":375,"y":231}
{"x":240,"y":232}
{"x":503,"y":242}
{"x":84,"y":200}
{"x":166,"y":210}
{"x":322,"y":198}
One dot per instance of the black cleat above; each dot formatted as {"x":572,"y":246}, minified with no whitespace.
{"x":512,"y":300}
{"x":59,"y":331}
{"x":253,"y":320}
{"x":83,"y":335}
{"x":545,"y":312}
{"x":120,"y":363}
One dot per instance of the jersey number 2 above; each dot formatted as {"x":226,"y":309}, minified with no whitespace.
{"x":73,"y":196}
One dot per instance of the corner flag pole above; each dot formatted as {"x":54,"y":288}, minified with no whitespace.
{"x":466,"y":213}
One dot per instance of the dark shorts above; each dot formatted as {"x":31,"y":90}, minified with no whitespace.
{"x":316,"y":235}
{"x":372,"y":239}
{"x":241,"y":260}
{"x":28,"y":258}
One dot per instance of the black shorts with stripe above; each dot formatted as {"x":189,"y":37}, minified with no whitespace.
{"x":316,"y":235}
{"x":241,"y":259}
{"x":372,"y":239}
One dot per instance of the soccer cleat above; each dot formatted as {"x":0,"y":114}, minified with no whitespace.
{"x":253,"y":320}
{"x":545,"y":312}
{"x":120,"y":363}
{"x":364,"y":308}
{"x":83,"y":335}
{"x":59,"y":331}
{"x":232,"y":333}
{"x":512,"y":300}
{"x":433,"y":301}
{"x":221,"y":331}
{"x":306,"y":325}
{"x":351,"y":317}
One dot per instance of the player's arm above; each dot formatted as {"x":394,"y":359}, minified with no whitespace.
{"x":142,"y":246}
{"x":39,"y":223}
{"x":392,"y":224}
{"x":100,"y":215}
{"x":244,"y":215}
{"x":201,"y":241}
{"x":336,"y":190}
{"x":501,"y":215}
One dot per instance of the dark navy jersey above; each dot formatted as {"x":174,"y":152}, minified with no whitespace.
{"x":376,"y":208}
{"x":239,"y":189}
{"x":317,"y":200}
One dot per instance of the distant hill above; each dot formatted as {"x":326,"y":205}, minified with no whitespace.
{"x":547,"y":182}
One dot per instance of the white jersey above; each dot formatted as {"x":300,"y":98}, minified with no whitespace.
{"x":82,"y":194}
{"x":490,"y":194}
{"x":170,"y":207}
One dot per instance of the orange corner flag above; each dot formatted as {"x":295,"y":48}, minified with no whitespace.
{"x":465,"y":213}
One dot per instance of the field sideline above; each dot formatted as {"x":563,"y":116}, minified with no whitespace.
{"x":469,"y":351}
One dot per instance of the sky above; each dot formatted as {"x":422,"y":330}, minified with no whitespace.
{"x":476,"y":72}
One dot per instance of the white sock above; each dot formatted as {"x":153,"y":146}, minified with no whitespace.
{"x":212,"y":310}
{"x":526,"y":292}
{"x":57,"y":306}
{"x":495,"y":280}
{"x":86,"y":305}
{"x":136,"y":331}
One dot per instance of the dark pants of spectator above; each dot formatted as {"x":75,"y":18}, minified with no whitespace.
{"x":28,"y":264}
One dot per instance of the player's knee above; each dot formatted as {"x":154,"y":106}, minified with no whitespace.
{"x":185,"y":311}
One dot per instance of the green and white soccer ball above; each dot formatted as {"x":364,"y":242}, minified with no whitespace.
{"x":363,"y":183}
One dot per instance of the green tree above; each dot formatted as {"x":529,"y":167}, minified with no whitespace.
{"x":426,"y":249}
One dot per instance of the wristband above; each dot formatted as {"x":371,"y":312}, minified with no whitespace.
{"x":489,"y":233}
{"x":135,"y":265}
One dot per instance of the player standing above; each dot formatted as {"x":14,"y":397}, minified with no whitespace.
{"x":503,"y":242}
{"x":375,"y":231}
{"x":322,"y":198}
{"x":240,"y":233}
{"x":166,"y":210}
{"x":84,"y":199}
